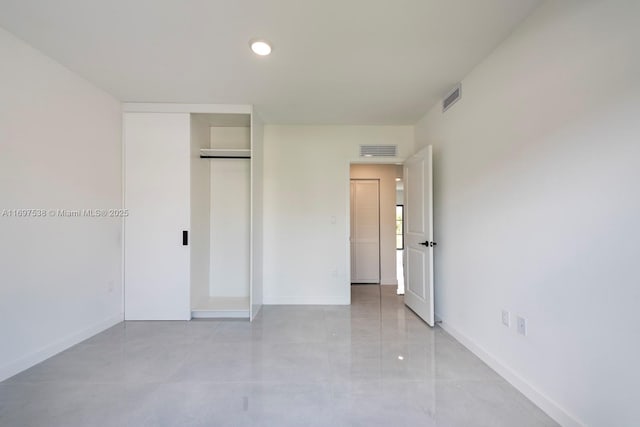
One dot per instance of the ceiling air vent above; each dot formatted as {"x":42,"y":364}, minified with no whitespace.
{"x":378,"y":150}
{"x":452,"y":97}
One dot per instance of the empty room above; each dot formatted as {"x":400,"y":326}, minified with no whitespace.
{"x":319,"y":213}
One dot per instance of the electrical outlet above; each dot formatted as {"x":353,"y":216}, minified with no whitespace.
{"x":506,"y":319}
{"x":110,"y":286}
{"x":334,"y":273}
{"x":522,"y":326}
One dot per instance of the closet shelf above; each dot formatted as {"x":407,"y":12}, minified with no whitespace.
{"x":225,"y":153}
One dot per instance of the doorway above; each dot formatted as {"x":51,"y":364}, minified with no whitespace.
{"x":367,"y":256}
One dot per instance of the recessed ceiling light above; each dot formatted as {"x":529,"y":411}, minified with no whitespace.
{"x":260,"y":47}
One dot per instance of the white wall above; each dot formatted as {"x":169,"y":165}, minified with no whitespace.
{"x":60,"y":148}
{"x":306,"y":208}
{"x":537,"y":208}
{"x":230,"y":215}
{"x":230,"y":228}
{"x":387,"y":176}
{"x":200,"y":211}
{"x":230,"y":137}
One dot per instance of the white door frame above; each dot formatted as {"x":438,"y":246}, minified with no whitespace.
{"x":347,"y":195}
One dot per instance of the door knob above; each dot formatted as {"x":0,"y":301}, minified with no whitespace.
{"x":425,"y":243}
{"x":433,"y":244}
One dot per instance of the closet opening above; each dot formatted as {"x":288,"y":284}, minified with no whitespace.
{"x":220,"y":215}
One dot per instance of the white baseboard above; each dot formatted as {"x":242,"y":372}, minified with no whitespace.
{"x":384,"y":282}
{"x":26,"y":362}
{"x":305,"y":300}
{"x":555,"y":411}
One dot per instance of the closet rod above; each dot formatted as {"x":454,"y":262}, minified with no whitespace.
{"x":225,"y":157}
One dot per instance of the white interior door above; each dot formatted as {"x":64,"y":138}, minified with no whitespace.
{"x":156,"y":266}
{"x":365,"y":231}
{"x":418,"y":190}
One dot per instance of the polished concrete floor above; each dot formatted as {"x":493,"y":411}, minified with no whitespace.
{"x":371,"y":364}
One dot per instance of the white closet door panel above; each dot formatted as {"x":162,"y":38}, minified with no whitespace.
{"x":230,"y":228}
{"x":365,"y":231}
{"x":156,"y":150}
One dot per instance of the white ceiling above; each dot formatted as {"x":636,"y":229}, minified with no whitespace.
{"x":333,"y":61}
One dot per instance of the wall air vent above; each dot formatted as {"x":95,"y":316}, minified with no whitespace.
{"x":452,"y":97}
{"x":378,"y":150}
